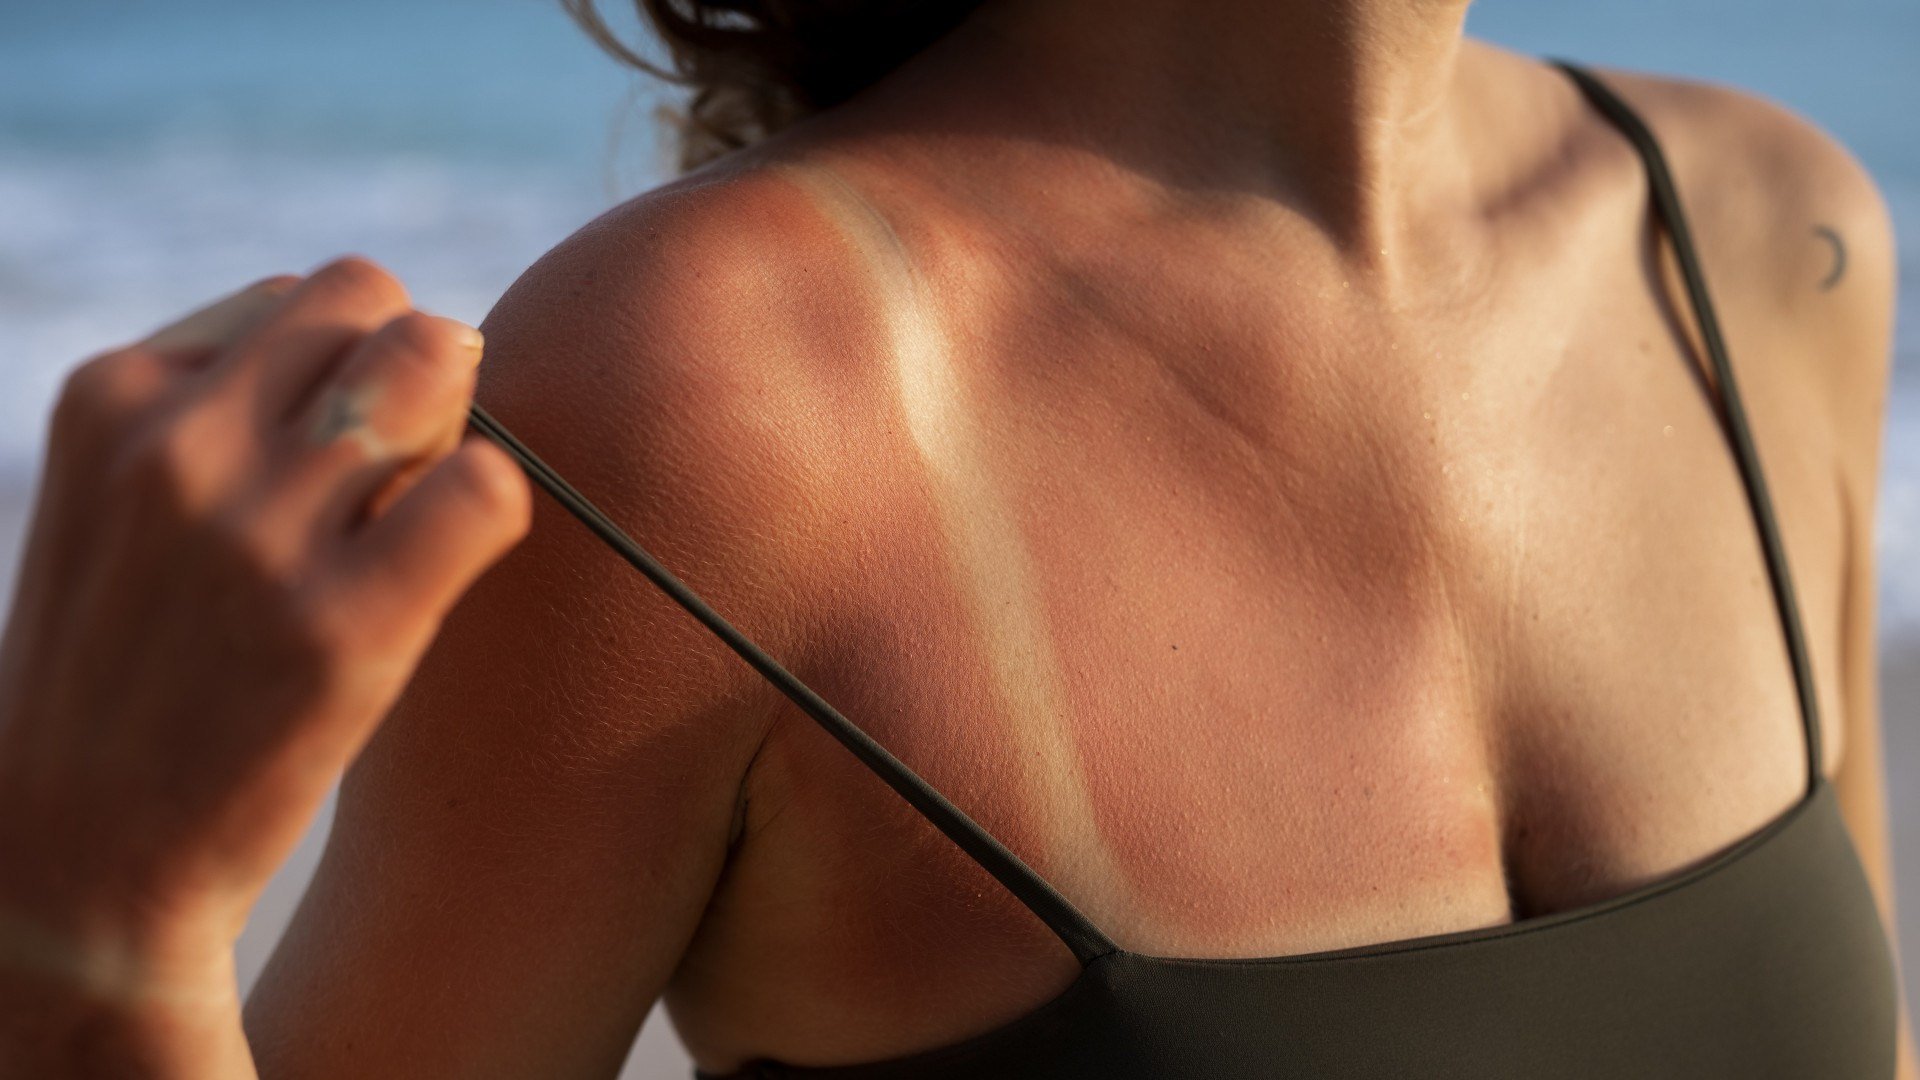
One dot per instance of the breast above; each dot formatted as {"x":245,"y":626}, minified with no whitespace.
{"x":1253,"y":665}
{"x":1770,"y":963}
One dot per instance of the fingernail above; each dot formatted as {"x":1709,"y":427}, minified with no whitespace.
{"x":468,"y":337}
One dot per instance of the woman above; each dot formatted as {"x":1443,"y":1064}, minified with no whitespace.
{"x":1256,"y":463}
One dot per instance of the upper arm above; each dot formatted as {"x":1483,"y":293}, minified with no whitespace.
{"x":1797,"y":228}
{"x":1826,"y":272}
{"x":523,"y":850}
{"x":1797,"y":235}
{"x":1821,"y":263}
{"x":1862,"y":330}
{"x":1858,"y":330}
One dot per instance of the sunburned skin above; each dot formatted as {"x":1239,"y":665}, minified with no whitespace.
{"x":985,"y":544}
{"x":1127,"y":810}
{"x":1300,"y":620}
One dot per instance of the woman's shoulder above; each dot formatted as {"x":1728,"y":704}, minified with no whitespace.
{"x":732,"y":268}
{"x":692,"y":357}
{"x":1746,"y":146}
{"x":1762,"y":180}
{"x":571,"y":731}
{"x":1791,"y":226}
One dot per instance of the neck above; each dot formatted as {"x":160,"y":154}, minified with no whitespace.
{"x":1343,"y":106}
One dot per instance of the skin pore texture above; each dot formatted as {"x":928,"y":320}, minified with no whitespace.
{"x":1254,"y":458}
{"x":979,"y":517}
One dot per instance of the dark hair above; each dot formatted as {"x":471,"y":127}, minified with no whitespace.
{"x":755,"y":66}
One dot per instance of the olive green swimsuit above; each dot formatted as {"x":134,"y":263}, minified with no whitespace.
{"x":1768,"y":960}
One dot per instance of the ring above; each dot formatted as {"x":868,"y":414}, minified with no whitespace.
{"x":344,"y":412}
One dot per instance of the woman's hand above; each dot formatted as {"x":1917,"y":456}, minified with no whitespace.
{"x":248,"y":530}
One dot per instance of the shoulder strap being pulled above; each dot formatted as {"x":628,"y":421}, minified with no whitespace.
{"x":1667,"y":201}
{"x":1066,"y":921}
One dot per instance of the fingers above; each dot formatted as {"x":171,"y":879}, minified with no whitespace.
{"x":439,"y":536}
{"x":224,"y":321}
{"x":103,"y":395}
{"x":313,"y":403}
{"x":112,"y":401}
{"x":271,"y":368}
{"x":399,"y":396}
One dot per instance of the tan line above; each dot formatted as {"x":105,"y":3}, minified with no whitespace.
{"x":985,"y":543}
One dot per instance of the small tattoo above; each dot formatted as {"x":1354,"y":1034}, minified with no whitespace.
{"x":1832,"y":236}
{"x":340,"y":413}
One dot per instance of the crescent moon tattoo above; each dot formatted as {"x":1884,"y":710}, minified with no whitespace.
{"x":1831,"y":236}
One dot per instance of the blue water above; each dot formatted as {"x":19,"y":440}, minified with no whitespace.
{"x":154,"y":154}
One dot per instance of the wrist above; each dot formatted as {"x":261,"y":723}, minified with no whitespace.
{"x":84,"y":1003}
{"x":114,"y":961}
{"x":108,"y":927}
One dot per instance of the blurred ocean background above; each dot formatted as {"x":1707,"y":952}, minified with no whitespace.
{"x":153,"y":155}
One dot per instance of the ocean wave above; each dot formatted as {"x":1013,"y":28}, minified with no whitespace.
{"x":98,"y":248}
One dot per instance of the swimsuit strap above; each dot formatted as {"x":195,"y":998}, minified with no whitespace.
{"x":1066,"y":921}
{"x":1667,"y":200}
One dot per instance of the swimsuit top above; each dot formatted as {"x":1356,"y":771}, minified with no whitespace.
{"x":1767,"y":960}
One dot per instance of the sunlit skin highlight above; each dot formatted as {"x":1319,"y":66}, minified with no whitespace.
{"x":1253,"y":464}
{"x":985,"y":541}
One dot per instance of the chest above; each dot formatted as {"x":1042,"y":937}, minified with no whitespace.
{"x":1282,"y":635}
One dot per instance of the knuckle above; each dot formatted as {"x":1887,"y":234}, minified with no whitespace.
{"x":162,"y":458}
{"x":341,"y":644}
{"x":415,"y":335}
{"x":88,"y":378}
{"x":99,"y":386}
{"x":318,"y":628}
{"x":493,"y":484}
{"x":410,"y":361}
{"x":359,"y":276}
{"x":165,"y":462}
{"x":248,"y":527}
{"x":298,"y":621}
